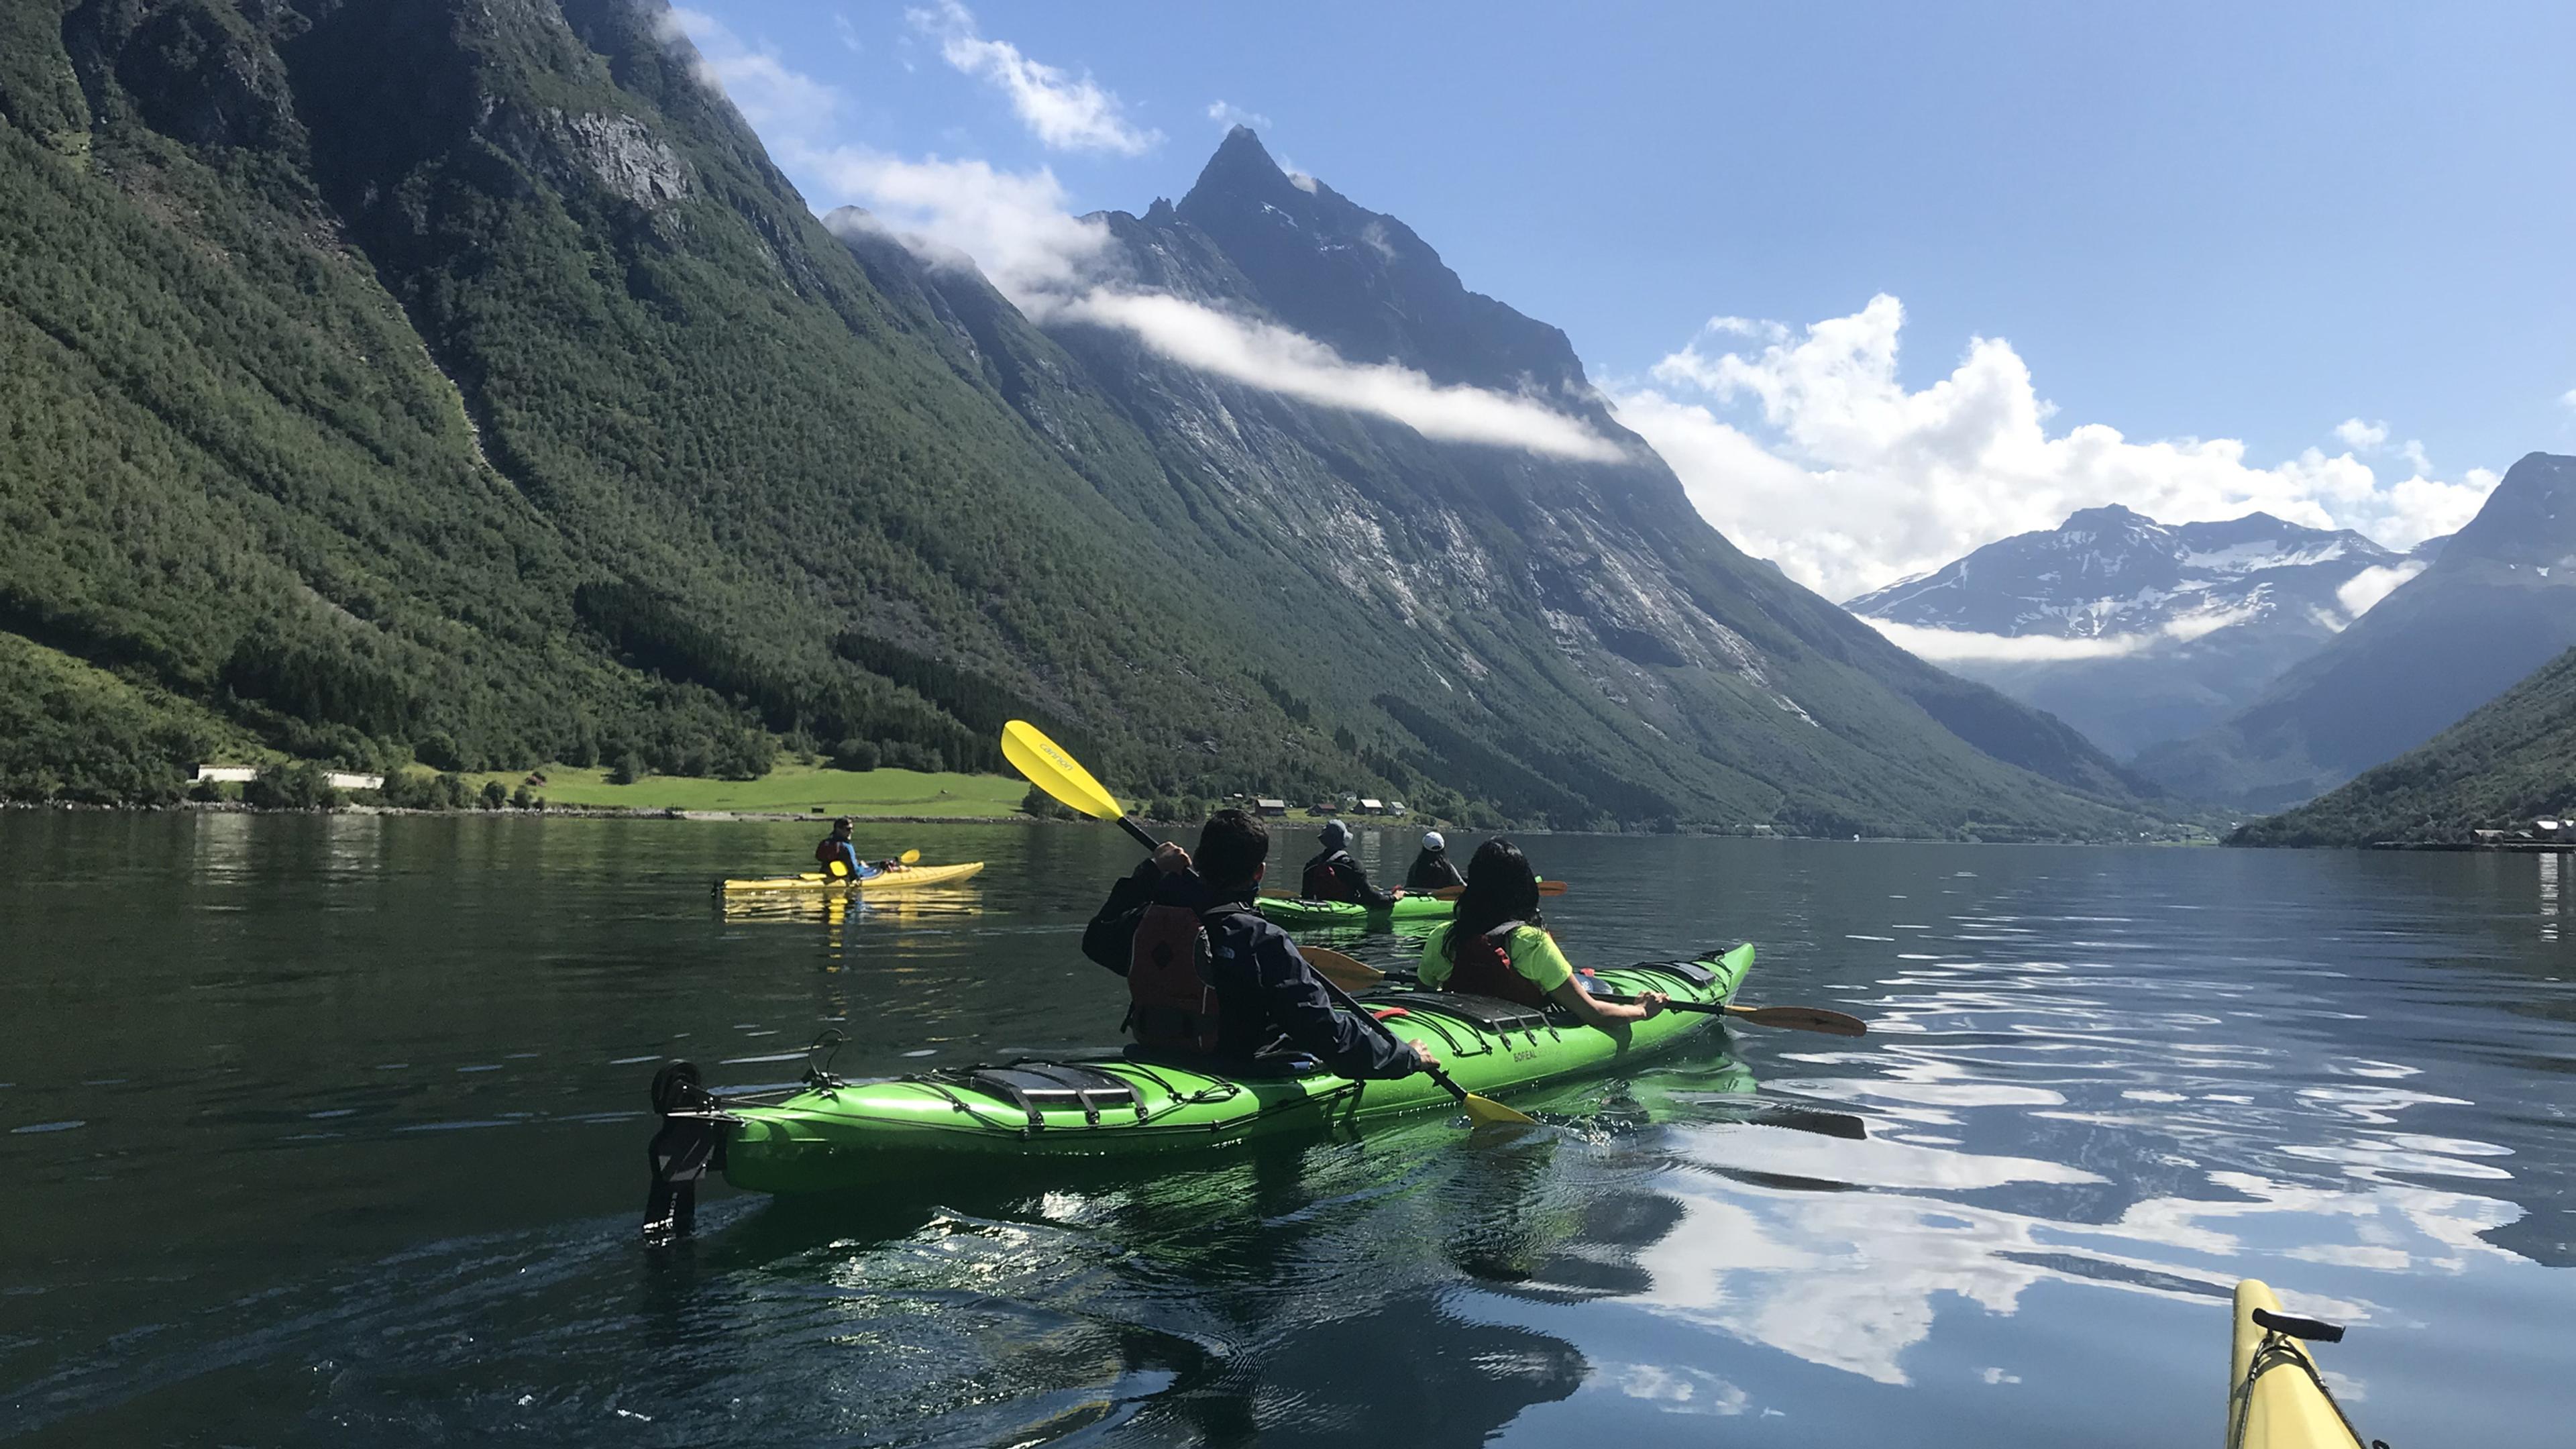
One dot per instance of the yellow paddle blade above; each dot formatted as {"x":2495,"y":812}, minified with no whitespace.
{"x":1346,"y":972}
{"x":1049,"y":768}
{"x":910,"y":857}
{"x":1486,"y":1112}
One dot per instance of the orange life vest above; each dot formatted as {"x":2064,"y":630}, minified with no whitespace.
{"x":1171,"y":993}
{"x":1482,"y":966}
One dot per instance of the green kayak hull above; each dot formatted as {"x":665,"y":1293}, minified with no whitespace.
{"x":1305,"y":915}
{"x":845,"y":1135}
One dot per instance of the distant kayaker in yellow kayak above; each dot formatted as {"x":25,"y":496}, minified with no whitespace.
{"x":1333,"y":876}
{"x":1208,"y":977}
{"x":1433,"y":870}
{"x":1496,"y":946}
{"x":839,"y":857}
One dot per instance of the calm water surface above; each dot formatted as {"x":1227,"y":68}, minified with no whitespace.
{"x":331,"y":1129}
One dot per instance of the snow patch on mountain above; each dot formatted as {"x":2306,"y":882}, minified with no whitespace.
{"x":2134,"y":631}
{"x":2109,"y":572}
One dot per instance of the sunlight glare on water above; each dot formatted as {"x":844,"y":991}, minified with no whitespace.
{"x":331,"y":1129}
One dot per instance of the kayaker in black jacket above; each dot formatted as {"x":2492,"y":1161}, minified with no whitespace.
{"x":1333,"y":876}
{"x":1208,"y":976}
{"x":1433,"y":870}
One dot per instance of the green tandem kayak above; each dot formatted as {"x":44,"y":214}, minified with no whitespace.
{"x":832,"y":1135}
{"x":1305,"y":915}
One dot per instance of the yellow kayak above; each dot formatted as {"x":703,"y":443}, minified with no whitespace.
{"x":902,"y":878}
{"x":2276,"y":1399}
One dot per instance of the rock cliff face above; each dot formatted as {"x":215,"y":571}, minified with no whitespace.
{"x":457,"y":380}
{"x":2179,"y":625}
{"x":2497,"y":602}
{"x":1566,"y":628}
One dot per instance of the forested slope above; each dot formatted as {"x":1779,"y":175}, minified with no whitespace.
{"x":505,"y":404}
{"x":2510,"y":762}
{"x":480,"y":408}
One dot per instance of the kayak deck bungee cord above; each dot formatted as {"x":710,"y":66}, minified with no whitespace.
{"x":833,"y":1135}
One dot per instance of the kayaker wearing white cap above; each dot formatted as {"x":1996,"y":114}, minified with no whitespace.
{"x":1333,"y":876}
{"x":1433,"y":870}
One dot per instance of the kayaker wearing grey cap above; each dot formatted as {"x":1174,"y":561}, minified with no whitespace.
{"x":1333,"y":876}
{"x":1433,"y":870}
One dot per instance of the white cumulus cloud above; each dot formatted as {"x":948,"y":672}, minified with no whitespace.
{"x":1230,"y":116}
{"x":1802,"y":445}
{"x":2567,"y":399}
{"x":1065,"y":111}
{"x":1015,"y":227}
{"x":771,"y":96}
{"x":2361,"y":437}
{"x":1012,"y":225}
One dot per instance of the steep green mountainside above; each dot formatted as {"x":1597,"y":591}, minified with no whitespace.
{"x":2498,"y":602}
{"x":2512,"y":761}
{"x":502,"y":403}
{"x":71,"y":731}
{"x":1569,"y":633}
{"x":506,"y":404}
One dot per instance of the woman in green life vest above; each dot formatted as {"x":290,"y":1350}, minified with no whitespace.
{"x":1497,"y":946}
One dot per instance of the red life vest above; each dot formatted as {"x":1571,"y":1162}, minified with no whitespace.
{"x":1171,"y":994}
{"x":828,"y":855}
{"x":1322,"y":882}
{"x":1482,"y":966}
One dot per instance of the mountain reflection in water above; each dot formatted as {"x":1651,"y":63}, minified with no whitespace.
{"x":328,"y":1128}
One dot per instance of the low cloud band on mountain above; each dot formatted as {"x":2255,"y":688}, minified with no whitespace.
{"x":2136,"y":632}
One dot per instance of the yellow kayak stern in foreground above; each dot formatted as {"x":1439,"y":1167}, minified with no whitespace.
{"x":2276,"y":1398}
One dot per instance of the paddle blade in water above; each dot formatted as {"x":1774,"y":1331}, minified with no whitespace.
{"x":1049,"y":768}
{"x":1801,"y":1018}
{"x":1486,"y":1112}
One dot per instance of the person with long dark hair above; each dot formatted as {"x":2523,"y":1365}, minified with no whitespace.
{"x":1497,"y":945}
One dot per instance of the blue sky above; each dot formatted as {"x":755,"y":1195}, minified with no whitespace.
{"x":2217,"y":223}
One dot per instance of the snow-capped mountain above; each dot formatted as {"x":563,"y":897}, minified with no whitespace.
{"x":2112,"y":571}
{"x":2497,"y":603}
{"x":2139,"y":632}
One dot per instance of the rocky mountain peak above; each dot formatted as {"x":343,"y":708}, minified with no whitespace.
{"x":1240,"y":160}
{"x":2529,"y":519}
{"x":1364,"y":284}
{"x":2109,"y":515}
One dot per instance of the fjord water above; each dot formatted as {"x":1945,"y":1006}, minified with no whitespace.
{"x":331,"y":1129}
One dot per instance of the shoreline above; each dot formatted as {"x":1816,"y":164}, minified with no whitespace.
{"x":611,"y":812}
{"x":573,"y":812}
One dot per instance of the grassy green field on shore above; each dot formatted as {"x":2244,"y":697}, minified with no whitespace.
{"x":799,"y":789}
